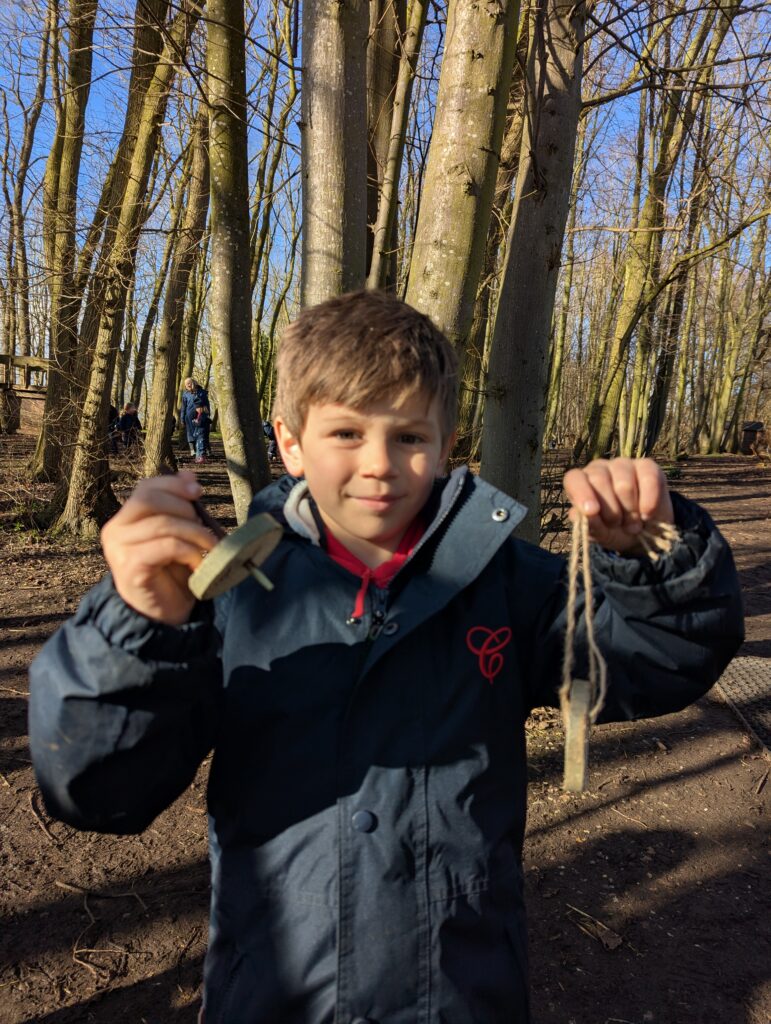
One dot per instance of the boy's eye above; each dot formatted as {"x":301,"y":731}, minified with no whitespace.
{"x":345,"y":435}
{"x":410,"y":439}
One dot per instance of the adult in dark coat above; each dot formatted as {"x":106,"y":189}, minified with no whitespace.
{"x":195,"y":414}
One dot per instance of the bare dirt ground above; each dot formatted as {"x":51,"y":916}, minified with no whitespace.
{"x":649,"y":896}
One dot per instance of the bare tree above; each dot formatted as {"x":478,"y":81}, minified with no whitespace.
{"x":334,"y":156}
{"x":230,"y":310}
{"x":517,"y":376}
{"x":163,"y":398}
{"x":457,"y":196}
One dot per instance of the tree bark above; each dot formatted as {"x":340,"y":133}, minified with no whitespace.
{"x":61,"y":193}
{"x":230,"y":300}
{"x":387,"y":34}
{"x":163,"y":398}
{"x":476,"y":347}
{"x":451,"y":234}
{"x":64,"y":401}
{"x":517,"y":377}
{"x":31,"y":117}
{"x":90,"y":500}
{"x":334,"y":154}
{"x":169,"y":248}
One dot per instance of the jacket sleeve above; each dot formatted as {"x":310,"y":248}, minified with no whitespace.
{"x":666,"y":628}
{"x":122,"y":712}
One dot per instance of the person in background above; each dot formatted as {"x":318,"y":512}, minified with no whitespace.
{"x":129,"y":426}
{"x":270,"y":434}
{"x":195,"y":398}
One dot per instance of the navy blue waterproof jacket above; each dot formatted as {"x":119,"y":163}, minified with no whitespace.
{"x":367,"y":793}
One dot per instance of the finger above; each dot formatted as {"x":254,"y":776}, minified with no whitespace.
{"x":600,"y":477}
{"x":141,"y":566}
{"x":580,"y":492}
{"x":598,"y":531}
{"x":156,"y":527}
{"x":623,"y":473}
{"x":655,"y":501}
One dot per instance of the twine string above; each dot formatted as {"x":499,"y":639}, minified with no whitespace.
{"x":656,"y":538}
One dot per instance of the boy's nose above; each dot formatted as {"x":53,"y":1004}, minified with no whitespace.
{"x":377,"y":461}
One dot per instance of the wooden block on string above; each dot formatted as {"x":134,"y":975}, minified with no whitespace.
{"x":239,"y":554}
{"x":577,"y":727}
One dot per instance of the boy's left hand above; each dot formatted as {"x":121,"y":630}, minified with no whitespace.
{"x":618,"y":496}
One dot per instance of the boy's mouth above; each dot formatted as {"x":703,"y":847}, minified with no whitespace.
{"x":376,"y":501}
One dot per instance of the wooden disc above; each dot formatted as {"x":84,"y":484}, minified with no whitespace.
{"x":225,"y":565}
{"x":577,"y":736}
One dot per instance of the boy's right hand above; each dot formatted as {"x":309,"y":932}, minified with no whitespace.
{"x":154,"y":543}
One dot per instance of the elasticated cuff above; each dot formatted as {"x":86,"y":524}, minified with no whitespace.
{"x":124,"y":627}
{"x":695,"y":526}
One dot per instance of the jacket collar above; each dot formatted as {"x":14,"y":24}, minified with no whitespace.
{"x":289,"y":500}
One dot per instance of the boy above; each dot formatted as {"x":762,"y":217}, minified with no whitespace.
{"x":129,"y":426}
{"x":367,"y":794}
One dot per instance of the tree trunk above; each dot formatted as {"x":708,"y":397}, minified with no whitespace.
{"x":476,"y":348}
{"x":163,"y":397}
{"x":517,"y":377}
{"x":143,"y":347}
{"x":60,"y":190}
{"x":561,"y":332}
{"x":90,"y":500}
{"x":266,"y":178}
{"x":683,"y":358}
{"x":196,"y":302}
{"x":230,"y":307}
{"x":334,"y":154}
{"x":31,"y":117}
{"x":449,"y":245}
{"x":393,"y":55}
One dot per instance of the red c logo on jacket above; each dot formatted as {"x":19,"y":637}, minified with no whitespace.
{"x":487,"y":644}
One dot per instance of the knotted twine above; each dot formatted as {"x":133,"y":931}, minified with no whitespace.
{"x":581,"y":700}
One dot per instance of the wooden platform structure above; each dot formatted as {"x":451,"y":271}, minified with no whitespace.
{"x":16,"y":374}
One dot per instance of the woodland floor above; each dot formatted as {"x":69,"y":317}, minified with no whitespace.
{"x":649,"y":896}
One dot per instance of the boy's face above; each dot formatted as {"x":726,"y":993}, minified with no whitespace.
{"x":370,"y":472}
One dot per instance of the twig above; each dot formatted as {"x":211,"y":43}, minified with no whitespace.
{"x":762,"y":782}
{"x":88,"y":909}
{"x":596,"y":929}
{"x":629,"y":818}
{"x":40,"y":821}
{"x":118,"y":951}
{"x":86,"y":964}
{"x":196,"y":932}
{"x":69,"y":887}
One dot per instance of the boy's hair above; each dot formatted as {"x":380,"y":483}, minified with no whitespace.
{"x":359,"y":348}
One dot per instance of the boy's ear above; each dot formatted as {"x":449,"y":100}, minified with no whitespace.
{"x":289,"y":446}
